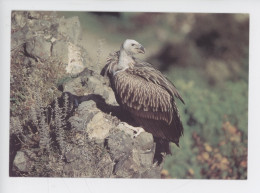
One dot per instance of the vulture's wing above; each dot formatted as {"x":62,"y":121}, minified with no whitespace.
{"x":146,"y":71}
{"x":144,"y":92}
{"x":140,"y":63}
{"x":112,"y":61}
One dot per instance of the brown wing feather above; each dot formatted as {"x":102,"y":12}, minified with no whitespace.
{"x":142,"y":97}
{"x":149,"y":73}
{"x":112,"y":61}
{"x":151,"y":105}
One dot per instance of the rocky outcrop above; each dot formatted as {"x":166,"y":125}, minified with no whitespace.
{"x":81,"y":132}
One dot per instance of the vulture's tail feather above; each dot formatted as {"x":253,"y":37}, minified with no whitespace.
{"x":162,"y":148}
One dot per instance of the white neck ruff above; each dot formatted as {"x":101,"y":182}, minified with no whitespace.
{"x":123,"y":63}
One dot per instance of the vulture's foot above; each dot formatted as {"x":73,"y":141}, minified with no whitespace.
{"x":137,"y":130}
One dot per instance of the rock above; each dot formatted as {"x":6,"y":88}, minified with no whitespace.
{"x":75,"y":60}
{"x":85,"y":134}
{"x":98,"y":128}
{"x":90,"y":83}
{"x":22,"y":162}
{"x":45,"y":35}
{"x":70,"y":28}
{"x":127,"y":156}
{"x":20,"y":19}
{"x":74,"y":87}
{"x":59,"y":51}
{"x":39,"y":48}
{"x":120,"y":145}
{"x":145,"y":148}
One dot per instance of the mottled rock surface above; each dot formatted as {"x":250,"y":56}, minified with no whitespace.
{"x":80,"y":133}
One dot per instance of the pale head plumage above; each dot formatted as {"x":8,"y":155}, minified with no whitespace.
{"x":128,"y":49}
{"x":132,"y":47}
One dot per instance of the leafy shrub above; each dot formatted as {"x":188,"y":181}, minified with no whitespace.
{"x":215,"y":136}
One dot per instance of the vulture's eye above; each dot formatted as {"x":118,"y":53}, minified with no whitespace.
{"x":132,"y":44}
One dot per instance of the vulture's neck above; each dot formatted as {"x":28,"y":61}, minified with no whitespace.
{"x":125,"y":60}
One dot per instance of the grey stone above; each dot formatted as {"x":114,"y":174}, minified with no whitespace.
{"x":60,"y":50}
{"x":39,"y":48}
{"x":120,"y":145}
{"x":22,"y":162}
{"x":70,"y":28}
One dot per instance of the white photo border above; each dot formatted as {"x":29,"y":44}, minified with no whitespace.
{"x":75,"y":185}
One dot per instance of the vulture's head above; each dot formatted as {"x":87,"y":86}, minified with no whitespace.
{"x":132,"y":47}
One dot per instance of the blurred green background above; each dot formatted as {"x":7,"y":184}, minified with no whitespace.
{"x":206,"y":57}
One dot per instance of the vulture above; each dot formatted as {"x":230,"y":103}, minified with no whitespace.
{"x":146,"y":95}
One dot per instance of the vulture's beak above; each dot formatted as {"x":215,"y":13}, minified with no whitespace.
{"x":142,"y":49}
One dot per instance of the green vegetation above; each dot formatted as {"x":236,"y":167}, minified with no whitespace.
{"x":215,"y":121}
